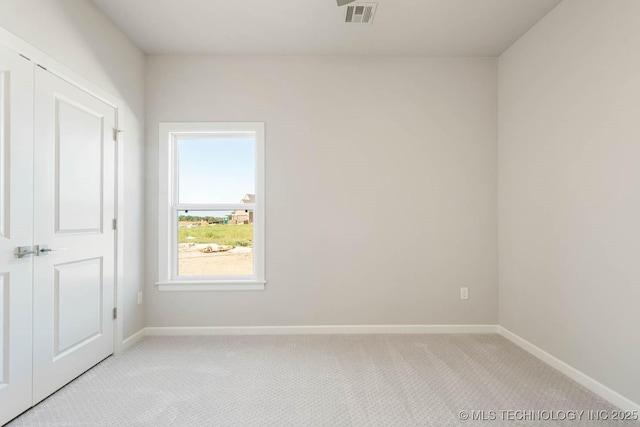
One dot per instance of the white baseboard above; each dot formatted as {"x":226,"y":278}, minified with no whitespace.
{"x":578,"y":376}
{"x":327,"y":329}
{"x":134,"y":339}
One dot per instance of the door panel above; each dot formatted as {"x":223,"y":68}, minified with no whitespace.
{"x":79,"y":195}
{"x":16,"y":229}
{"x":74,"y":206}
{"x":76,"y":325}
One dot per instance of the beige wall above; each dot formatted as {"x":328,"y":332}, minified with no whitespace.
{"x":361,"y":138}
{"x":569,"y":189}
{"x":76,"y":34}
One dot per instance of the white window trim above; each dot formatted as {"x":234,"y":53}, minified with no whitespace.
{"x":167,"y":232}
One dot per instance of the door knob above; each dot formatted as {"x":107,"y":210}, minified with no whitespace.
{"x":23,"y":251}
{"x":45,"y":249}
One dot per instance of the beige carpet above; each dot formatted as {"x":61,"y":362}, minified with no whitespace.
{"x":330,"y":380}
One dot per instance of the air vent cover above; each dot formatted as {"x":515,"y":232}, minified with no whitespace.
{"x":360,"y":13}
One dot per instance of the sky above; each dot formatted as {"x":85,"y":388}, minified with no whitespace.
{"x":216,"y":170}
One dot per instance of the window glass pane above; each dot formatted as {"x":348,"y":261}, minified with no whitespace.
{"x":215,"y":170}
{"x":215,"y":243}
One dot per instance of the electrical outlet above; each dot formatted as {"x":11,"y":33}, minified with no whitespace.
{"x":139,"y":297}
{"x":464,"y":293}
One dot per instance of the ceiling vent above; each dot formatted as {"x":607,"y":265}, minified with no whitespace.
{"x":360,"y":13}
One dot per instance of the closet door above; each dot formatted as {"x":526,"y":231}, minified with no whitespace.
{"x":74,"y":208}
{"x":16,"y":230}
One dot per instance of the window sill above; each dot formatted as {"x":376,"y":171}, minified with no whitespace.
{"x":196,"y":286}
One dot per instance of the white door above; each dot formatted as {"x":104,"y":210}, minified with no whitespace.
{"x":16,"y":209}
{"x":74,"y":188}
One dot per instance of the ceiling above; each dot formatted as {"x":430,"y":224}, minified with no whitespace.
{"x":317,"y":27}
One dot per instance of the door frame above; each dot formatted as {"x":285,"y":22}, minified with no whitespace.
{"x":63,"y":72}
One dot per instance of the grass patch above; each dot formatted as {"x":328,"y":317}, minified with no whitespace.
{"x":227,"y":235}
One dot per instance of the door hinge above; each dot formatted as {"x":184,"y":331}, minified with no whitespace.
{"x":115,"y":313}
{"x":114,"y":224}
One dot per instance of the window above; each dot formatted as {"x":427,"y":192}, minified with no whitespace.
{"x":211,"y":195}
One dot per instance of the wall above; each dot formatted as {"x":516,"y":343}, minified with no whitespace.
{"x":381,"y":186}
{"x":76,"y":34}
{"x":569,"y":189}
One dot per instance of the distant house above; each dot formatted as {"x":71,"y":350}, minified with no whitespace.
{"x":243,"y":216}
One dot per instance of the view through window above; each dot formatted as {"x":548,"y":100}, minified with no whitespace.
{"x":215,"y":205}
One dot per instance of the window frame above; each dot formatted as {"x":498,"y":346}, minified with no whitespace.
{"x":169,"y":206}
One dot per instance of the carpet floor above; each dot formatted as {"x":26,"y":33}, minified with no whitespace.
{"x":321,"y":380}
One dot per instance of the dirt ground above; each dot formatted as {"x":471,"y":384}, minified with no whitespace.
{"x":195,"y":263}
